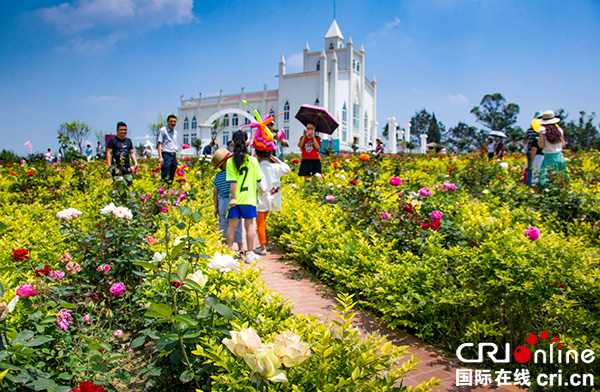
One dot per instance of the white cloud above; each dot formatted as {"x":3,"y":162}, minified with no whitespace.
{"x":295,"y":63}
{"x":105,"y":99}
{"x":112,"y":20}
{"x":386,"y":28}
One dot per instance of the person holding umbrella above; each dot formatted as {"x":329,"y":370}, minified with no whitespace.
{"x":310,"y":145}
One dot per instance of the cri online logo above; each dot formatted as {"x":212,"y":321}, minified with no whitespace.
{"x":522,"y":354}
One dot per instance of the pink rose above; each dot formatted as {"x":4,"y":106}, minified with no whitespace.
{"x":395,"y":181}
{"x":425,"y":192}
{"x":117,"y":288}
{"x":87,"y":318}
{"x":118,"y":333}
{"x":26,"y":290}
{"x":385,"y":216}
{"x":533,"y":233}
{"x":436,"y":215}
{"x":106,"y":268}
{"x":330,"y":198}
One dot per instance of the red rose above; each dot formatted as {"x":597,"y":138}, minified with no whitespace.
{"x":425,"y":226}
{"x":44,"y":271}
{"x":20,"y":254}
{"x":13,"y":173}
{"x":30,"y":172}
{"x":87,"y":386}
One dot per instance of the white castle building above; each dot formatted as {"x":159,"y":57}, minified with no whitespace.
{"x":333,"y":77}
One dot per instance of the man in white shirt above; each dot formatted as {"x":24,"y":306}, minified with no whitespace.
{"x":167,"y":149}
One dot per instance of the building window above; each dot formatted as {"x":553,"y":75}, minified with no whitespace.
{"x":193,"y":138}
{"x":356,"y":116}
{"x":194,"y":122}
{"x":366,"y":125}
{"x":186,"y":138}
{"x":286,"y":130}
{"x":226,"y":120}
{"x":286,"y":112}
{"x":234,"y":120}
{"x":225,"y":138}
{"x":366,"y":129}
{"x":344,"y":123}
{"x":331,"y":46}
{"x":358,"y":66}
{"x":319,"y":65}
{"x":353,"y":64}
{"x":186,"y":125}
{"x":317,"y":103}
{"x":246,"y":121}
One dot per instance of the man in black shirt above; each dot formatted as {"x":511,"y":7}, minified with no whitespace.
{"x":120,"y":153}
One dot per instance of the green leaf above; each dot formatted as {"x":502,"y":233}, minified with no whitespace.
{"x":182,"y":318}
{"x":183,"y":211}
{"x":187,"y":376}
{"x":159,"y":311}
{"x":146,"y":265}
{"x":192,"y":284}
{"x":210,"y":300}
{"x":35,"y":316}
{"x":42,"y":384}
{"x":176,"y":250}
{"x":182,"y":269}
{"x":102,"y":367}
{"x":180,"y":225}
{"x":68,"y":305}
{"x":137,"y":342}
{"x":38,"y":341}
{"x":196,"y":216}
{"x":1,"y":290}
{"x":124,"y":375}
{"x":223,"y":310}
{"x":3,"y":226}
{"x":204,"y":313}
{"x":25,"y":335}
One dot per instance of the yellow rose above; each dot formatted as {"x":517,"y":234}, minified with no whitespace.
{"x":199,"y":278}
{"x":242,"y":342}
{"x":264,"y":363}
{"x":290,"y":350}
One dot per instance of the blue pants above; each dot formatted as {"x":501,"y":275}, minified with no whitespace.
{"x":529,"y":170}
{"x":224,"y":222}
{"x":167,"y":170}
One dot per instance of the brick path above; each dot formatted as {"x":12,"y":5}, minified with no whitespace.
{"x":308,"y":297}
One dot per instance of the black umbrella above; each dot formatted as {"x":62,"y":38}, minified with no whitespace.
{"x":323,"y":120}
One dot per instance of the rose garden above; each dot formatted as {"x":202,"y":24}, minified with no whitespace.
{"x":105,"y":286}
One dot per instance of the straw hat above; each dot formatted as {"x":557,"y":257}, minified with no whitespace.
{"x":548,"y":118}
{"x":220,"y":156}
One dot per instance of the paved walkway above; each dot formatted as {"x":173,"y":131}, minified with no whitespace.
{"x":308,"y":297}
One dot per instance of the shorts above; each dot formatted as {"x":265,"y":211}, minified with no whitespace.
{"x":243,"y":211}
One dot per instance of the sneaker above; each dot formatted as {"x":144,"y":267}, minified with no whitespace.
{"x":261,"y":252}
{"x":251,"y":257}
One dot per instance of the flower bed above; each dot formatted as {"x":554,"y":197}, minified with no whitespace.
{"x":455,"y":249}
{"x":96,"y":274}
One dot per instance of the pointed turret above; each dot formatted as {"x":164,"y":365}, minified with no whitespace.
{"x":306,"y":48}
{"x":334,"y":38}
{"x":282,"y":66}
{"x":362,"y":49}
{"x":350,"y":43}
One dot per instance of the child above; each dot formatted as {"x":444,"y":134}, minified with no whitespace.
{"x":243,"y":174}
{"x":221,"y":194}
{"x":310,"y":145}
{"x":271,"y":199}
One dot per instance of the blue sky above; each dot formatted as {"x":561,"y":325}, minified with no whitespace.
{"x":103,"y":61}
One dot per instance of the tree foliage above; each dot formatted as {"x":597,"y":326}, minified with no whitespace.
{"x":75,"y":131}
{"x":161,"y":121}
{"x":581,"y":134}
{"x":464,"y":138}
{"x":217,"y":128}
{"x":495,"y":114}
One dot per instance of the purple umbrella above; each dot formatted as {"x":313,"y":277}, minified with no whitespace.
{"x":323,"y":120}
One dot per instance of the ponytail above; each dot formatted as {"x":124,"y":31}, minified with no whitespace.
{"x":240,"y":150}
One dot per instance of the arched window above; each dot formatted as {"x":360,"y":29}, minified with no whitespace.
{"x":234,"y":120}
{"x":366,"y":125}
{"x":246,"y":121}
{"x":186,"y":125}
{"x":319,"y":65}
{"x":331,"y":46}
{"x":353,"y":63}
{"x":317,"y":103}
{"x":194,"y":122}
{"x":358,"y":66}
{"x":286,"y":112}
{"x":226,"y":120}
{"x":186,"y":138}
{"x":356,"y":115}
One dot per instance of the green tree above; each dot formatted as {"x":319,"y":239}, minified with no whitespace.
{"x":386,"y":131}
{"x":465,"y":138}
{"x":161,"y":121}
{"x":433,"y":132}
{"x":581,"y":134}
{"x":217,"y":128}
{"x":75,"y":131}
{"x":495,"y":114}
{"x":197,"y":144}
{"x":420,"y":122}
